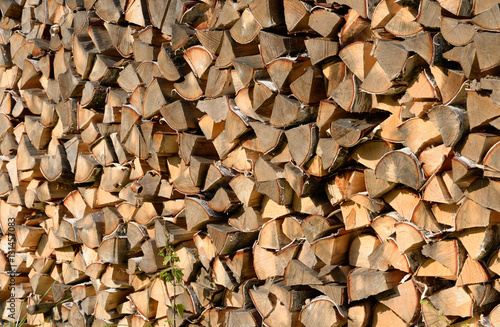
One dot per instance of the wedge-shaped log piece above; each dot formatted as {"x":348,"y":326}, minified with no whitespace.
{"x":172,"y":66}
{"x":369,"y":153}
{"x":247,"y":67}
{"x":487,"y":50}
{"x":494,"y":316}
{"x":284,"y":71}
{"x":84,"y":52}
{"x":481,"y":109}
{"x":376,"y":187}
{"x":321,"y":49}
{"x":228,"y":17}
{"x":244,"y":188}
{"x":383,"y":12}
{"x":210,"y":39}
{"x":67,"y":122}
{"x":240,"y":264}
{"x":487,"y":19}
{"x":360,"y":313}
{"x":198,"y":214}
{"x":320,"y":310}
{"x":157,"y":95}
{"x":268,"y":136}
{"x":296,"y":137}
{"x":480,"y":241}
{"x":344,"y":185}
{"x":313,"y":227}
{"x":261,"y":299}
{"x":271,"y":236}
{"x":247,"y":219}
{"x":296,"y":16}
{"x":28,"y":157}
{"x":451,"y":122}
{"x":56,"y":167}
{"x":355,"y":29}
{"x":453,"y":301}
{"x":404,"y":201}
{"x":347,"y":132}
{"x":269,"y":263}
{"x":243,"y":317}
{"x":316,"y":204}
{"x":473,"y":272}
{"x":436,"y":191}
{"x":405,"y":301}
{"x":297,"y":273}
{"x":221,"y":274}
{"x":246,"y":29}
{"x":146,"y":306}
{"x":28,"y":236}
{"x":224,"y":200}
{"x":362,"y":282}
{"x":450,"y":84}
{"x":350,"y":97}
{"x":151,"y":261}
{"x":90,"y":229}
{"x":274,"y":46}
{"x":76,"y":204}
{"x":382,"y":315}
{"x":448,"y":253}
{"x":470,"y":215}
{"x":387,"y":256}
{"x":360,"y":250}
{"x":422,"y":217}
{"x":434,"y":158}
{"x":419,"y":133}
{"x":189,"y":88}
{"x":434,"y":269}
{"x":195,"y":145}
{"x":456,"y":32}
{"x":403,"y":23}
{"x":228,"y":239}
{"x":408,"y":237}
{"x":262,"y":100}
{"x":299,"y":180}
{"x":288,"y":111}
{"x":334,"y":249}
{"x":128,"y":78}
{"x":325,"y":22}
{"x":87,"y":168}
{"x":199,"y":59}
{"x":400,"y":166}
{"x":31,"y":75}
{"x":267,"y":12}
{"x":189,"y":261}
{"x":329,"y":156}
{"x":422,"y":88}
{"x":231,"y":49}
{"x":113,"y":250}
{"x":358,"y":58}
{"x":484,"y":192}
{"x":391,"y":57}
{"x":492,"y":157}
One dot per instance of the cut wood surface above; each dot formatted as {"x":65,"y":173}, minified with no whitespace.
{"x":294,"y":162}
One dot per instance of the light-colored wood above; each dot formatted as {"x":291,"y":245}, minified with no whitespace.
{"x":379,"y":282}
{"x":304,"y":163}
{"x":390,"y":168}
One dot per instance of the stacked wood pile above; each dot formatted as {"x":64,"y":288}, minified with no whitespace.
{"x":310,"y":164}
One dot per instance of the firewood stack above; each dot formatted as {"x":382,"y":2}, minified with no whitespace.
{"x":311,"y":164}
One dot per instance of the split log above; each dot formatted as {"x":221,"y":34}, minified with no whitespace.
{"x":306,"y":163}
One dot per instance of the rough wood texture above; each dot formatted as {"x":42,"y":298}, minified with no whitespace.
{"x":311,"y":163}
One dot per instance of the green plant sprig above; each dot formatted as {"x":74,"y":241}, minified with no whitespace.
{"x":172,"y":274}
